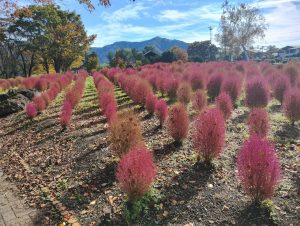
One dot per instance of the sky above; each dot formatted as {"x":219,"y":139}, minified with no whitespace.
{"x":186,"y":20}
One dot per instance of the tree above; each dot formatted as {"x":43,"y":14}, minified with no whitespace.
{"x":202,"y":51}
{"x":125,"y":57}
{"x":174,"y":54}
{"x":91,"y":62}
{"x":240,"y":26}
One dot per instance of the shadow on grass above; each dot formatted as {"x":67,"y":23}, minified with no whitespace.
{"x":241,"y":118}
{"x":92,"y":123}
{"x":167,"y":149}
{"x":287,"y":131}
{"x":254,"y":214}
{"x":275,"y":108}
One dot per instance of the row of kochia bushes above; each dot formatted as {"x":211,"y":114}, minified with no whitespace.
{"x":257,"y":162}
{"x":51,"y":87}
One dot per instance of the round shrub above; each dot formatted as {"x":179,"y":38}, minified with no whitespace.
{"x":125,"y":132}
{"x":214,"y":86}
{"x":136,"y":172}
{"x":258,"y":168}
{"x":184,"y":93}
{"x":198,"y":81}
{"x":281,"y":86}
{"x":224,"y":104}
{"x":199,"y":100}
{"x":178,"y":122}
{"x":151,"y":100}
{"x":292,"y":105}
{"x":257,"y":93}
{"x":161,"y":111}
{"x":66,"y":114}
{"x":209,"y":134}
{"x":31,"y":110}
{"x":232,"y":86}
{"x":40,"y":103}
{"x":258,"y":122}
{"x":293,"y":74}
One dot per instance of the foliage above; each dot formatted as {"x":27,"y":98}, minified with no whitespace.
{"x":214,"y":86}
{"x":151,"y":100}
{"x":224,"y":104}
{"x":91,"y":62}
{"x":199,"y":100}
{"x":232,"y":86}
{"x":292,"y":72}
{"x":174,"y":54}
{"x":202,"y":51}
{"x":178,"y":122}
{"x":292,"y":105}
{"x":125,"y":132}
{"x":209,"y":134}
{"x":31,"y":110}
{"x":258,"y":122}
{"x":258,"y":168}
{"x":257,"y":92}
{"x":161,"y":111}
{"x":240,"y":25}
{"x":281,"y":86}
{"x":136,"y":172}
{"x":184,"y":93}
{"x":66,"y":114}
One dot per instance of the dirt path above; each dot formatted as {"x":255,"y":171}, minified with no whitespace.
{"x":13,"y":211}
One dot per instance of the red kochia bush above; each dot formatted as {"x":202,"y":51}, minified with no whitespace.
{"x":31,"y":110}
{"x":150,"y":103}
{"x":199,"y":100}
{"x":161,"y":111}
{"x":258,"y":122}
{"x":184,"y":93}
{"x":292,"y":105}
{"x":66,"y":114}
{"x":209,"y":134}
{"x":258,"y":168}
{"x":39,"y":103}
{"x":136,"y":172}
{"x":178,"y":122}
{"x":281,"y":86}
{"x":224,"y":104}
{"x":214,"y":86}
{"x":111,"y":112}
{"x":232,"y":86}
{"x":257,"y":93}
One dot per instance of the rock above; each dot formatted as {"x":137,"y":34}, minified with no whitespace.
{"x":15,"y":100}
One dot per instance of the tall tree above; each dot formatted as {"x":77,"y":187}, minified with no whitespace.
{"x":202,"y":51}
{"x":174,"y":54}
{"x":240,"y":26}
{"x":91,"y":62}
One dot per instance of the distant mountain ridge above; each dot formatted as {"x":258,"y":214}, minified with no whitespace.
{"x":161,"y":44}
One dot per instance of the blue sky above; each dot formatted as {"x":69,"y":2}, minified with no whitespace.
{"x":186,"y":20}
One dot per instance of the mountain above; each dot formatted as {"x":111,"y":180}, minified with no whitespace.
{"x":161,"y":44}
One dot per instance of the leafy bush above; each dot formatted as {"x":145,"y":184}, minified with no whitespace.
{"x":110,"y":112}
{"x":224,"y":104}
{"x":184,"y":93}
{"x":66,"y":114}
{"x":293,"y":73}
{"x":209,"y":134}
{"x":136,"y":172}
{"x":258,"y":168}
{"x":232,"y":86}
{"x":199,"y":100}
{"x":178,"y":122}
{"x":150,"y":103}
{"x":214,"y":86}
{"x":258,"y":122}
{"x":292,"y":105}
{"x":198,"y":81}
{"x":40,"y":103}
{"x":31,"y":110}
{"x":281,"y":86}
{"x":125,"y":132}
{"x":257,"y":92}
{"x":161,"y":111}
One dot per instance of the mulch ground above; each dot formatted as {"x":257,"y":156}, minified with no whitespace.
{"x":77,"y":167}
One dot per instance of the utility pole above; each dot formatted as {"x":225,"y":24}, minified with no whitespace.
{"x":210,"y":29}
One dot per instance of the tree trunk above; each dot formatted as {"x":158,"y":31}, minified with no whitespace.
{"x":57,"y":66}
{"x":46,"y":65}
{"x":246,"y":57}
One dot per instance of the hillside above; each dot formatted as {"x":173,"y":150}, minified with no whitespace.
{"x":161,"y":44}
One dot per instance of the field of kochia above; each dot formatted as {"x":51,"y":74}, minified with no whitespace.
{"x":182,"y":143}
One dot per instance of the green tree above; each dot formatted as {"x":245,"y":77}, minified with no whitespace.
{"x":239,"y":27}
{"x":202,"y":51}
{"x":174,"y":54}
{"x":91,"y":62}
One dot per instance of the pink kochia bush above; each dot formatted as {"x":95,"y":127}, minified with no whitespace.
{"x":214,"y":86}
{"x":31,"y":110}
{"x":66,"y":114}
{"x":178,"y":122}
{"x":151,"y":100}
{"x":232,"y":86}
{"x":281,"y":86}
{"x":292,"y":105}
{"x":199,"y":100}
{"x":257,"y":92}
{"x":136,"y":172}
{"x":258,"y":122}
{"x":258,"y":168}
{"x":161,"y":111}
{"x":224,"y":104}
{"x":209,"y":134}
{"x":184,"y":93}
